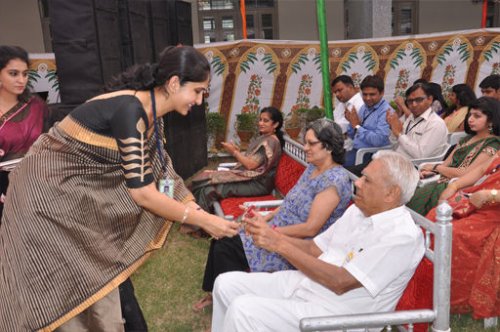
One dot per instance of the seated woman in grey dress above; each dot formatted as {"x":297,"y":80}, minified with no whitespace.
{"x":254,"y":173}
{"x":319,"y":198}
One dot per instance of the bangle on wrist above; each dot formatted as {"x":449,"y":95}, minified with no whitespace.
{"x":434,"y":168}
{"x":185,"y":215}
{"x":453,"y":186}
{"x":493,"y":193}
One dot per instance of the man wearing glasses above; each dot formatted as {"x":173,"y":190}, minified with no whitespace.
{"x":424,"y":133}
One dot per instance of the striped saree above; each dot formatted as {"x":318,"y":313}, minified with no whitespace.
{"x":71,"y":233}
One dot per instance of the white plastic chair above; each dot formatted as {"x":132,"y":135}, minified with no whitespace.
{"x":362,"y":151}
{"x":431,"y":179}
{"x":454,"y":138}
{"x":419,"y":161}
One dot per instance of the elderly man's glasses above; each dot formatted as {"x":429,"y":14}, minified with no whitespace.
{"x":417,"y":100}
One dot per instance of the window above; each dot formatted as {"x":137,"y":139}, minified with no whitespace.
{"x":404,"y":17}
{"x":493,"y":14}
{"x":220,"y":20}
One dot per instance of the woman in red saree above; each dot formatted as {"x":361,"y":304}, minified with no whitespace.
{"x":475,"y":267}
{"x":23,"y":117}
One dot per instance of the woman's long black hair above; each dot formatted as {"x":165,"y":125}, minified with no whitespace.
{"x":182,"y":61}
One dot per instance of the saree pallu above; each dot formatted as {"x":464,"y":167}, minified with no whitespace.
{"x":475,"y":267}
{"x":427,"y":197}
{"x":71,"y":233}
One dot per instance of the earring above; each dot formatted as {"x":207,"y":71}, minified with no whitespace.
{"x":490,"y":128}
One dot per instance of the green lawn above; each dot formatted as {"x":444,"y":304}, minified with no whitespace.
{"x":170,"y":282}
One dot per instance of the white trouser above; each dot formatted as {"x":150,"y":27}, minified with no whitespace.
{"x":256,"y":302}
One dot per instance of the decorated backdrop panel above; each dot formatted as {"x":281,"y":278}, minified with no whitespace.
{"x":249,"y":75}
{"x":43,"y":76}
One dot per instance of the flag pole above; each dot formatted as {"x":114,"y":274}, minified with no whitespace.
{"x":243,"y":19}
{"x":323,"y":38}
{"x":484,"y":14}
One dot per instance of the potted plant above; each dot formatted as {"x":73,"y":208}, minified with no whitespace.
{"x":216,"y":126}
{"x":293,"y":124}
{"x":246,"y":127}
{"x":312,"y":114}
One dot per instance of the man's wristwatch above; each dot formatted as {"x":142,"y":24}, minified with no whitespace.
{"x":357,"y":127}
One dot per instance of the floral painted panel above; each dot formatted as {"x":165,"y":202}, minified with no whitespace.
{"x":256,"y":73}
{"x":359,"y":62}
{"x":43,"y":76}
{"x":452,"y":63}
{"x":304,"y":83}
{"x":489,"y":61}
{"x":405,"y":65}
{"x":219,"y":69}
{"x":287,"y":73}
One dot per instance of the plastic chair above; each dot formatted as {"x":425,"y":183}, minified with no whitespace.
{"x":454,"y":138}
{"x":360,"y":154}
{"x":419,"y":161}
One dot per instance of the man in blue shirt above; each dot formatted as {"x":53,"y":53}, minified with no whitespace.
{"x":370,"y":127}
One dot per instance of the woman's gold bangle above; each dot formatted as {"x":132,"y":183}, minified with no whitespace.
{"x":453,"y":186}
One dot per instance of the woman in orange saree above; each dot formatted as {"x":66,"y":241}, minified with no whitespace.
{"x":475,"y":267}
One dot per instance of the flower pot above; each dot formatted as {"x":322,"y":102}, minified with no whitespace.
{"x":293,"y":132}
{"x":245,"y":136}
{"x":219,"y":138}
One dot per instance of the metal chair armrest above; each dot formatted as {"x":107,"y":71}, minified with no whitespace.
{"x":265,"y":204}
{"x":369,"y":320}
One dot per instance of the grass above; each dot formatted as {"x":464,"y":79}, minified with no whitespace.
{"x":170,"y":282}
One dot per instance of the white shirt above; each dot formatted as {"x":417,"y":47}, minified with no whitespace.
{"x":339,"y":111}
{"x":381,"y":252}
{"x":422,"y":137}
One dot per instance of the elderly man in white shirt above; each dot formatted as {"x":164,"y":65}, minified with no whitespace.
{"x":424,"y":133}
{"x":362,"y":263}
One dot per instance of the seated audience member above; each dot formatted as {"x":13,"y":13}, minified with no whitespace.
{"x":348,"y":97}
{"x":361,"y":264}
{"x":490,"y":86}
{"x":438,"y":103}
{"x":23,"y":116}
{"x":254,"y":173}
{"x":483,"y":127}
{"x":369,"y":128}
{"x":319,"y":198}
{"x":460,"y":98}
{"x":475,"y":268}
{"x":423,"y":133}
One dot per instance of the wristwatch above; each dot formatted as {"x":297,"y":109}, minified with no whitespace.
{"x":357,"y":127}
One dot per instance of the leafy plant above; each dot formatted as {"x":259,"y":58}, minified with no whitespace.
{"x":216,"y":123}
{"x":292,"y":120}
{"x":247,"y":121}
{"x":311,"y":114}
